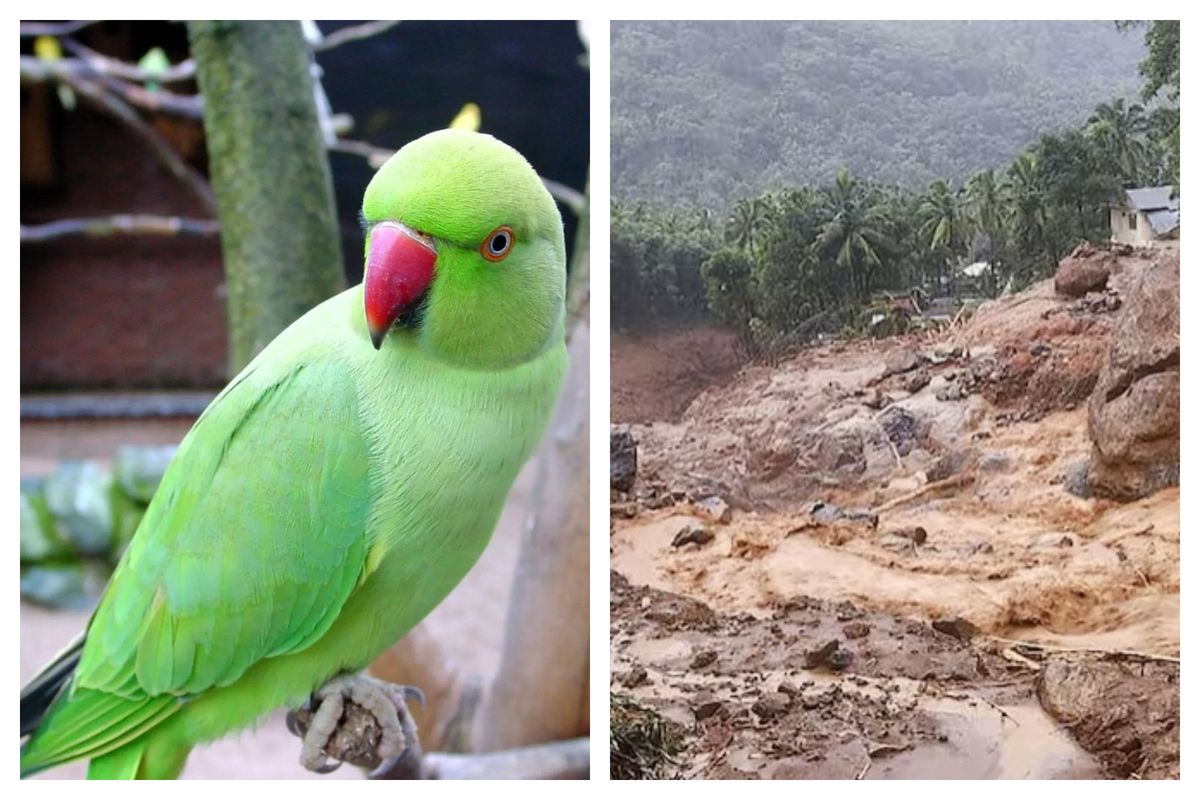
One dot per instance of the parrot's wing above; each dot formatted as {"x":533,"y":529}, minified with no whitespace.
{"x":253,"y":542}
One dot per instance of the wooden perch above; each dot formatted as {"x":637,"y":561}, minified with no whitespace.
{"x":120,"y":225}
{"x":952,"y":482}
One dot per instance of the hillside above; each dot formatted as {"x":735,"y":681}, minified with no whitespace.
{"x":703,"y":112}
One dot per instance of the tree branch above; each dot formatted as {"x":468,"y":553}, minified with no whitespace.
{"x":72,"y":70}
{"x":122,"y":225}
{"x":35,"y":70}
{"x":29,"y":29}
{"x":106,"y":65}
{"x":354,"y":33}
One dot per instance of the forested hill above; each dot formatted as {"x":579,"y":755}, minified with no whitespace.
{"x":704,"y":112}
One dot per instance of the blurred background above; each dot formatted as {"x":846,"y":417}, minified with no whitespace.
{"x":125,"y":335}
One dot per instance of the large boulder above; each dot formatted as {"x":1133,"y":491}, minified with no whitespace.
{"x":1133,"y":414}
{"x":1085,"y":270}
{"x":622,"y":458}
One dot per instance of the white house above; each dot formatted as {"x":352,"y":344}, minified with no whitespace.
{"x":1145,"y":217}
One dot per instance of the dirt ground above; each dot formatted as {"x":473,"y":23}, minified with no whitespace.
{"x":862,"y":492}
{"x":467,"y":628}
{"x":655,"y":378}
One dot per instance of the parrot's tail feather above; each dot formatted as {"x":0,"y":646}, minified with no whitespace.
{"x":121,"y":764}
{"x":39,"y":693}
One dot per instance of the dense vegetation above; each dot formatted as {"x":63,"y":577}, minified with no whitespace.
{"x":706,"y":111}
{"x":779,"y":266}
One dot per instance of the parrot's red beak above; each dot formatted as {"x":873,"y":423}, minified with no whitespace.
{"x":399,"y":270}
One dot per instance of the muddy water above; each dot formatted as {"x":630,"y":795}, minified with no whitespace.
{"x":1114,"y":587}
{"x":981,"y":739}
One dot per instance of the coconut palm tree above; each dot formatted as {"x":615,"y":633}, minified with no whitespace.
{"x":1024,"y":191}
{"x":986,"y":213}
{"x":746,"y":223}
{"x":1120,"y":130}
{"x":943,"y":222}
{"x":854,"y":234}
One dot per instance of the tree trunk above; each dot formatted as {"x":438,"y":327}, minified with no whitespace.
{"x":270,"y":173}
{"x":540,"y":692}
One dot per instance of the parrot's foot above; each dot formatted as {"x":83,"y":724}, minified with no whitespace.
{"x":359,"y":720}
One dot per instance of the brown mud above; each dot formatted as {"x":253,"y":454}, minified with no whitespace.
{"x":952,"y":480}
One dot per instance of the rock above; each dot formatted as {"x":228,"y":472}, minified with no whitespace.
{"x":959,"y":628}
{"x":622,"y":458}
{"x":1133,"y":413}
{"x":831,"y":451}
{"x":139,"y":470}
{"x":707,"y":709}
{"x":944,"y":352}
{"x":715,"y":509}
{"x":1078,"y":275}
{"x":947,"y":465}
{"x":825,"y":513}
{"x":634,"y":677}
{"x":1053,"y":541}
{"x":703,"y":659}
{"x":692,"y":534}
{"x":1039,"y":350}
{"x":79,"y":497}
{"x":788,"y":688}
{"x":994,"y":462}
{"x":627,"y":510}
{"x":916,"y":535}
{"x":830,"y":655}
{"x":917,"y":381}
{"x":901,"y":427}
{"x":901,"y":360}
{"x":771,"y":705}
{"x":856,"y":630}
{"x":950,"y":392}
{"x":1078,"y":480}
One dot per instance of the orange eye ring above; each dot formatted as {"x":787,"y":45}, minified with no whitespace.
{"x":498,"y":244}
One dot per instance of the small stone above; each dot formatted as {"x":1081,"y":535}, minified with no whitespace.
{"x":715,"y":509}
{"x":622,"y":458}
{"x":692,"y":534}
{"x":904,"y":359}
{"x":1053,"y":541}
{"x":994,"y":462}
{"x":917,"y":381}
{"x":915,"y":534}
{"x":623,"y":510}
{"x":634,"y":677}
{"x":1039,"y":350}
{"x":959,"y":628}
{"x":950,"y":392}
{"x":1078,"y":481}
{"x":703,"y":659}
{"x":856,"y":630}
{"x":707,"y":709}
{"x":772,"y":705}
{"x":788,"y":688}
{"x":828,"y":655}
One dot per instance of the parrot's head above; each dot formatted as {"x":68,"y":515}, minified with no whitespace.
{"x":464,"y":253}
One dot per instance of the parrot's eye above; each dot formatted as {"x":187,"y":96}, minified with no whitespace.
{"x":498,"y":244}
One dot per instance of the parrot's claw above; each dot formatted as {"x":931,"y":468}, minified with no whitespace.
{"x":386,"y":703}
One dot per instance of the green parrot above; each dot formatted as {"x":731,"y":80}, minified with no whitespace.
{"x":340,"y":486}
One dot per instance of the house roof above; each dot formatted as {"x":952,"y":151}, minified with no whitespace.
{"x":1163,"y":220}
{"x":1152,"y":198}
